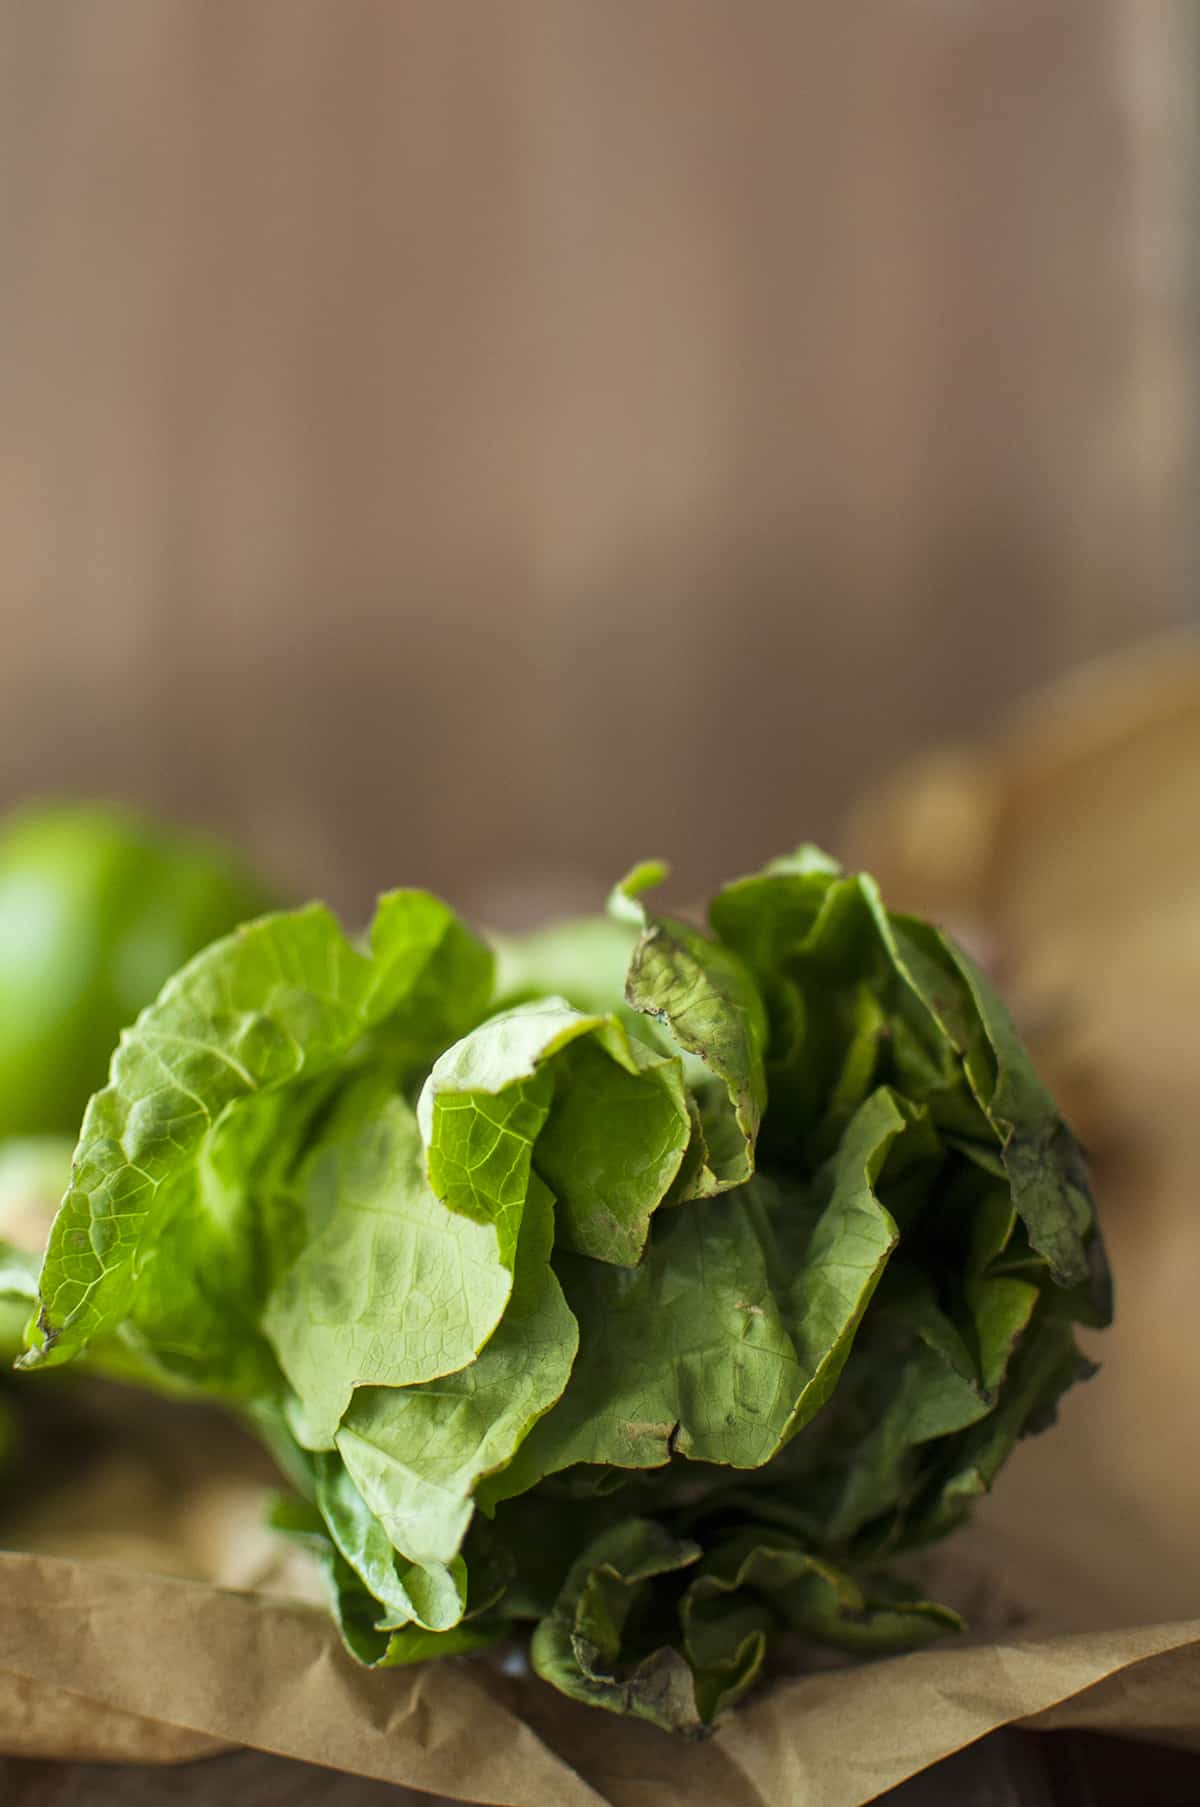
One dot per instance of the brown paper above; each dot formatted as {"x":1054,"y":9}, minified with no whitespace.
{"x":39,"y":1720}
{"x":245,"y":1669}
{"x":1064,"y":848}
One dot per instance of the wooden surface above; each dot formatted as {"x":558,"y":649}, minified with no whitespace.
{"x":481,"y":444}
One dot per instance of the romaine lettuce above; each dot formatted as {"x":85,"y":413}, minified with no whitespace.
{"x":666,"y":1317}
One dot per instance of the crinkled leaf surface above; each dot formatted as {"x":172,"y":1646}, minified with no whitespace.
{"x":654,"y":1624}
{"x":389,"y":1288}
{"x":804,"y":1591}
{"x":608,"y":1118}
{"x":417,"y":1453}
{"x":731,"y":1332}
{"x":282,"y":1002}
{"x":1041,"y":1159}
{"x":704,"y":995}
{"x":854,"y":992}
{"x":581,"y":1647}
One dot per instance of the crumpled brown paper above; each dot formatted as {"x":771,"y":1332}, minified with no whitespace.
{"x":1064,"y":848}
{"x":239,"y":1668}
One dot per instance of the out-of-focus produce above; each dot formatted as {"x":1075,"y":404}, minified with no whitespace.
{"x":98,"y":905}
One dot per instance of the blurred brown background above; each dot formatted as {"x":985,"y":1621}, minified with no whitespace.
{"x":479,"y":444}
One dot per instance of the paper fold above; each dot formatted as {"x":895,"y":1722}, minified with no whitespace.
{"x":101,"y":1659}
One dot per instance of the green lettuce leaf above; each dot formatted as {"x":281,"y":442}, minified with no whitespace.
{"x":417,"y":1454}
{"x":605,"y":1119}
{"x":730,"y":1334}
{"x":357,"y":1608}
{"x":809,"y":1594}
{"x":582,"y":1647}
{"x":388,"y":1288}
{"x":858,"y":997}
{"x":1041,"y":1159}
{"x":703,"y":994}
{"x":280,"y":1004}
{"x":654,"y":1625}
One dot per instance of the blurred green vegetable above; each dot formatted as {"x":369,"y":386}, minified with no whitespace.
{"x":98,"y":906}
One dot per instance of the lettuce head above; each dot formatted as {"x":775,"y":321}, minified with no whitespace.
{"x":645,"y":1288}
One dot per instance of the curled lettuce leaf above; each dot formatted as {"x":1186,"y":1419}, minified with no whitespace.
{"x":545,"y":1089}
{"x":583,"y":1647}
{"x":705,"y":998}
{"x":657,"y":1626}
